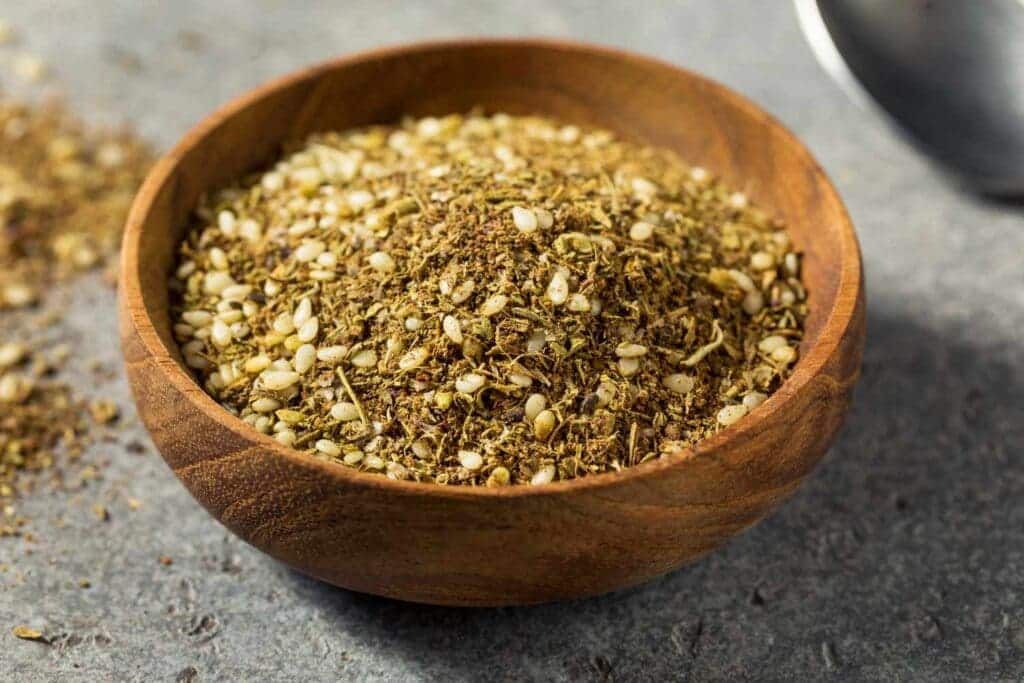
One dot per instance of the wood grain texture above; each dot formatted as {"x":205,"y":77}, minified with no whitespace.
{"x":460,"y":546}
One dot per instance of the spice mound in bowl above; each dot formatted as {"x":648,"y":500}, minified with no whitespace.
{"x":486,"y":300}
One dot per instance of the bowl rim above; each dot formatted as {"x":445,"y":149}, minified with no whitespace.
{"x":849,"y":288}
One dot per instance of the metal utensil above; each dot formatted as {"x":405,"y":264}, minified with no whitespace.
{"x":949,"y":73}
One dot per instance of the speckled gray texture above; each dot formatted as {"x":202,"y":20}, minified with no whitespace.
{"x":901,"y":559}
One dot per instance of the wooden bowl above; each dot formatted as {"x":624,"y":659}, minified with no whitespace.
{"x":479,"y":546}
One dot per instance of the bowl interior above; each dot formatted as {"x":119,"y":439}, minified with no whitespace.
{"x":638,"y":98}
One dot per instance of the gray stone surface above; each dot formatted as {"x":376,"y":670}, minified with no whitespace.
{"x":901,"y":559}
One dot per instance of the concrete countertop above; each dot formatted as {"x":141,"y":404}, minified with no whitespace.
{"x":902,"y":558}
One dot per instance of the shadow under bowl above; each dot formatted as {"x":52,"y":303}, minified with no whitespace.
{"x":515,"y":545}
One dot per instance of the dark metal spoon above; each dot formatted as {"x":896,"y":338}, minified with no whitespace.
{"x":949,"y":73}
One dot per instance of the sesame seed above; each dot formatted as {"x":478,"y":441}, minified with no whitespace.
{"x":471,"y":460}
{"x":469,"y":383}
{"x":381,"y":262}
{"x":365,"y":358}
{"x":534,"y":405}
{"x":731,"y":414}
{"x":630,"y":350}
{"x":641,"y":231}
{"x":452,"y":328}
{"x":544,"y":424}
{"x":545,"y":475}
{"x":679,"y":383}
{"x":558,"y":288}
{"x":345,"y":411}
{"x":275,"y":380}
{"x":524,"y":219}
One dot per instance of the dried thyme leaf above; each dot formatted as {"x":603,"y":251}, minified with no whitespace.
{"x":486,"y":300}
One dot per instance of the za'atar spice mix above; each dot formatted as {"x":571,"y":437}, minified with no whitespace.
{"x":486,"y":300}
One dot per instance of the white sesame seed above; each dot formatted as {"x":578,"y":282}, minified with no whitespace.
{"x":359,"y":200}
{"x":471,"y":460}
{"x":303,"y":312}
{"x":305,"y":358}
{"x":220,"y":333}
{"x":534,"y":404}
{"x":469,"y":383}
{"x":452,"y":328}
{"x":328,"y":447}
{"x":413,"y":323}
{"x":545,"y":219}
{"x":218,"y":259}
{"x":643,"y":188}
{"x":742,"y":280}
{"x":494,"y":305}
{"x":352,"y":457}
{"x":545,"y":475}
{"x":364,"y":358}
{"x":524,"y":219}
{"x":414,"y":358}
{"x":257,"y":364}
{"x":344,"y":411}
{"x":381,"y":262}
{"x":309,"y":329}
{"x":373,"y":462}
{"x":197,"y":318}
{"x":558,"y":288}
{"x":308,"y":251}
{"x":753,"y":302}
{"x":784,"y":354}
{"x":761,"y":260}
{"x":629,"y":366}
{"x":770,"y":344}
{"x":397,"y":471}
{"x":520,"y":380}
{"x":216,"y":281}
{"x":630,"y":350}
{"x":731,"y":414}
{"x":236,"y":292}
{"x":679,"y":383}
{"x":699,"y":174}
{"x":463,"y":291}
{"x":272,"y":182}
{"x":792,"y":263}
{"x":286,"y":437}
{"x":265,"y":405}
{"x":641,"y":231}
{"x":275,"y":380}
{"x":331,"y":354}
{"x":226,"y":223}
{"x":250,"y":230}
{"x":327,"y":260}
{"x":185,"y":269}
{"x":284,"y":323}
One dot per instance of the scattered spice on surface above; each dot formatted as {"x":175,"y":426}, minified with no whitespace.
{"x":27,"y":633}
{"x":486,"y":300}
{"x":64,"y":196}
